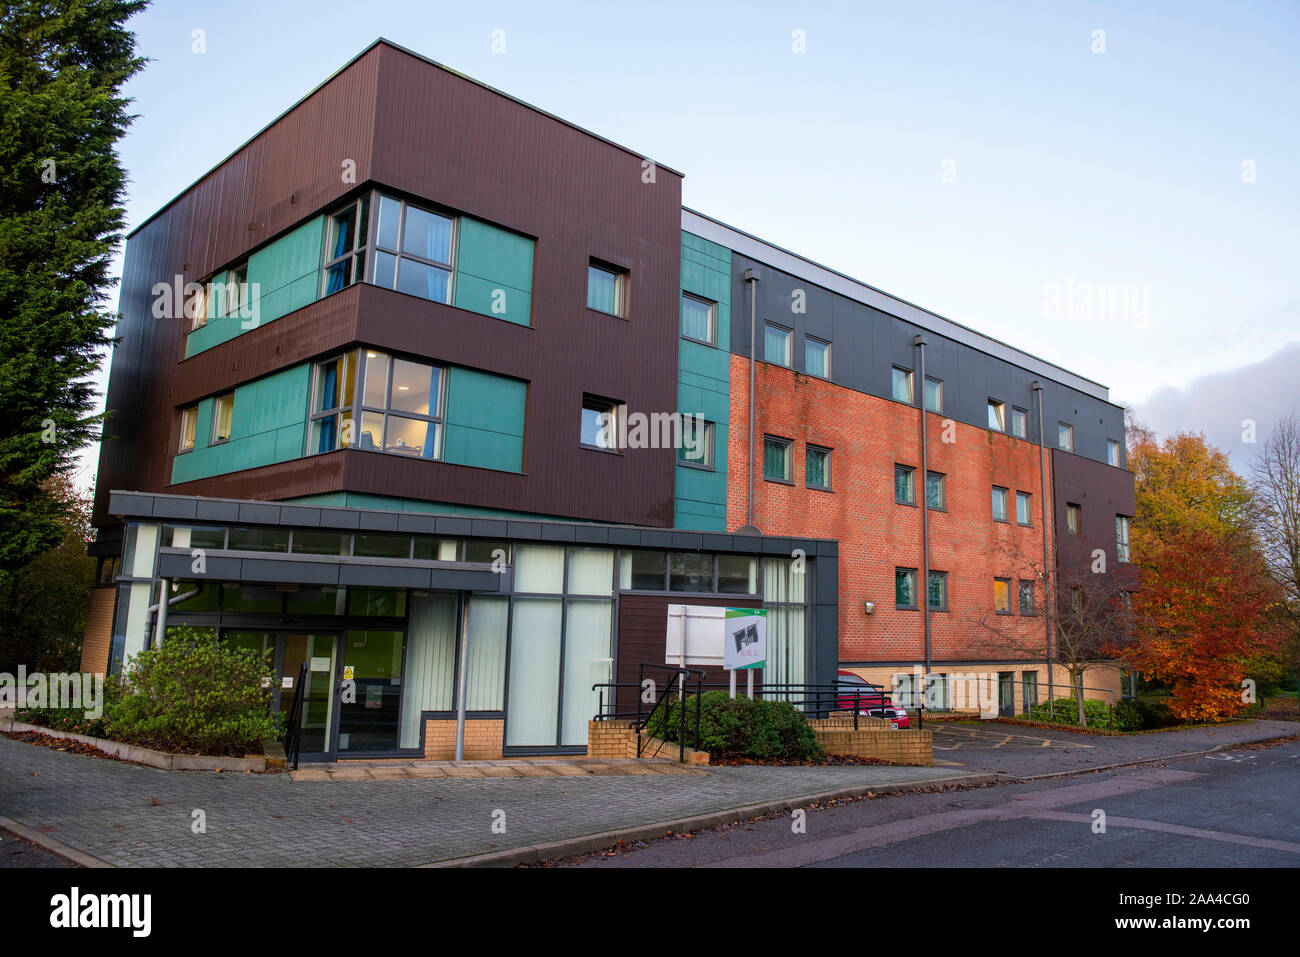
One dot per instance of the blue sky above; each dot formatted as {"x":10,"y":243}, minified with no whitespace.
{"x":972,"y":158}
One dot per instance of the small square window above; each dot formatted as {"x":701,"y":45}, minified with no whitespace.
{"x":904,"y":485}
{"x":223,"y":412}
{"x":599,"y":424}
{"x":1002,"y":596}
{"x":776,"y":345}
{"x":1064,"y":437}
{"x":606,"y":289}
{"x":817,"y":357}
{"x":696,"y":449}
{"x":902,"y":385}
{"x":817,"y":467}
{"x":1027,"y":598}
{"x":698,"y":321}
{"x":1024,"y":508}
{"x":997,"y":415}
{"x":936,"y":491}
{"x":1019,"y":422}
{"x":999,"y":504}
{"x":189,"y":419}
{"x":937,"y":592}
{"x":1121,"y":538}
{"x":1072,"y":518}
{"x":934,"y":394}
{"x":905,"y":587}
{"x":1112,"y":452}
{"x":776,"y":459}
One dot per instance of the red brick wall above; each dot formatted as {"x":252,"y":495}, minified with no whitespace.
{"x":868,"y":435}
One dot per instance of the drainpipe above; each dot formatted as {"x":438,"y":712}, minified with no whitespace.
{"x":751,"y":278}
{"x":160,"y":623}
{"x":461,"y":672}
{"x":919,"y":342}
{"x":1048,"y":567}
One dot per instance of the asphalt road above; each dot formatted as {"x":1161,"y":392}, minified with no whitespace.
{"x":1230,"y":809}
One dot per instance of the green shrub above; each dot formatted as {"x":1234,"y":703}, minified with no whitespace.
{"x":1096,"y":714}
{"x":73,"y":720}
{"x":196,"y":695}
{"x":740,"y":728}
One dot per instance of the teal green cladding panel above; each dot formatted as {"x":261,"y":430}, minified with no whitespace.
{"x":485,"y":420}
{"x":282,"y":276}
{"x":267,"y":425}
{"x":494,"y":272}
{"x":704,"y":385}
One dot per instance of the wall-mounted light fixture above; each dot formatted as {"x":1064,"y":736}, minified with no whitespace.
{"x":869,"y":607}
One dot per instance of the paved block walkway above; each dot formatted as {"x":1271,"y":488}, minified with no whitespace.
{"x":390,"y":770}
{"x":128,"y":815}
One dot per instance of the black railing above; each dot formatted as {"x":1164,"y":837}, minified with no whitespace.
{"x":293,"y":733}
{"x":815,"y":700}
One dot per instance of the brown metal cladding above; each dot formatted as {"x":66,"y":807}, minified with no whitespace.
{"x":1101,"y":491}
{"x":415,"y":128}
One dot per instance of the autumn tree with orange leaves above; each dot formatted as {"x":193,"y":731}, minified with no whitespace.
{"x":1207,"y":604}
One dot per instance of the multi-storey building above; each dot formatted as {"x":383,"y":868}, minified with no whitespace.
{"x":430,"y":390}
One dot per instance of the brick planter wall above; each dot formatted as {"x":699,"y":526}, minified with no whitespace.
{"x":484,"y":738}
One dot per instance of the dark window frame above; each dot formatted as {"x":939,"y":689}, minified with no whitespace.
{"x":911,"y":473}
{"x":789,"y":460}
{"x":809,"y":449}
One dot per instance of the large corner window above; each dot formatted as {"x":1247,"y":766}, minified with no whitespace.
{"x":401,"y":407}
{"x":345,"y":251}
{"x":330,"y":426}
{"x":379,"y":403}
{"x":413,"y":250}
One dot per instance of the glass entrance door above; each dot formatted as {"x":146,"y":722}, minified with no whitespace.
{"x":370,"y":703}
{"x":317,"y":691}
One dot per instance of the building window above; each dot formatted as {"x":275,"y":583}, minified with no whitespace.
{"x":1064,"y":437}
{"x":904,"y":485}
{"x":607,"y":289}
{"x":413,"y":250}
{"x":235,"y":291}
{"x":1026,"y":597}
{"x":698,"y":322}
{"x":599,"y":423}
{"x":223,"y":411}
{"x":198,"y":306}
{"x":936,"y":491}
{"x":1121,"y":538}
{"x":330,"y":424}
{"x":1024,"y":508}
{"x":189,"y":419}
{"x":1112,"y":452}
{"x":1072,"y":518}
{"x":776,"y":345}
{"x":999,"y":504}
{"x":1002,"y":596}
{"x":776,"y":459}
{"x":902,"y":385}
{"x":696,"y":449}
{"x":345,"y":257}
{"x":401,"y":407}
{"x":937,"y":593}
{"x":817,"y":357}
{"x":1019,"y":422}
{"x":997,"y":415}
{"x":934,"y":394}
{"x":817,"y":467}
{"x":905,"y":587}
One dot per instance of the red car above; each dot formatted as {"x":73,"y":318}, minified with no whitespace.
{"x":870,"y":699}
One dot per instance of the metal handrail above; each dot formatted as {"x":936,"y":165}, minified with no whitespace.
{"x":293,"y":733}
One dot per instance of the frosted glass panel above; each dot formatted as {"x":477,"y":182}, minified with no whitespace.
{"x":591,"y":571}
{"x":587,"y":660}
{"x":430,"y":661}
{"x":781,"y":582}
{"x":539,"y":568}
{"x":485,"y":684}
{"x":534,"y":671}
